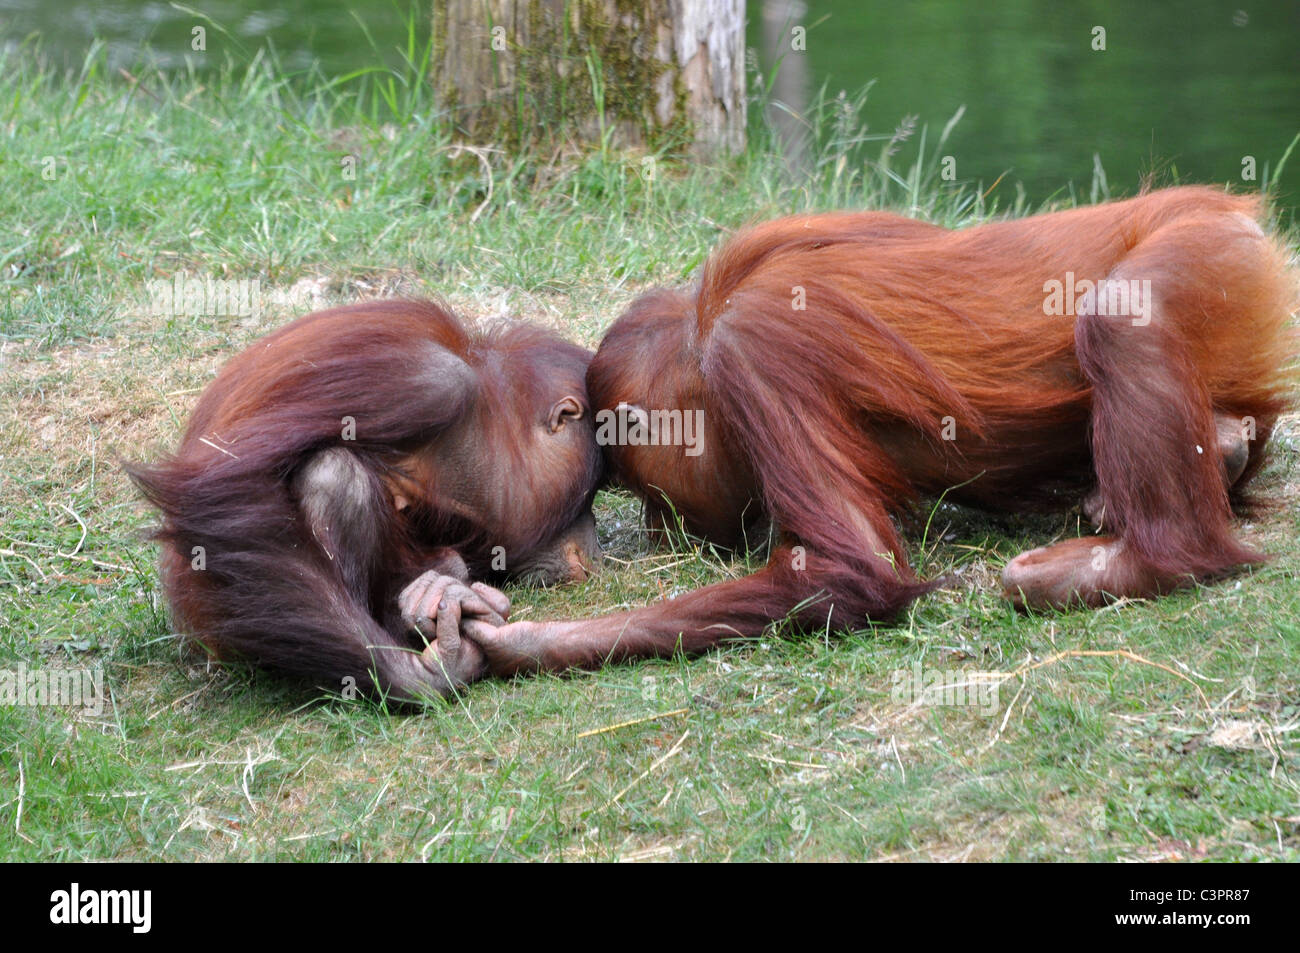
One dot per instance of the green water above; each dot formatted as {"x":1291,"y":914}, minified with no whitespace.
{"x":1191,"y":87}
{"x":340,"y":36}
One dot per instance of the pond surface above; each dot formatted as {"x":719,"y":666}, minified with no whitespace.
{"x":1193,"y":86}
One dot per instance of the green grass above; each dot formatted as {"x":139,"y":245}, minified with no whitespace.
{"x":781,"y":748}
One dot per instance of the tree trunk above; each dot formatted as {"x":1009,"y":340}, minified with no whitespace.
{"x":650,"y":73}
{"x":784,"y":60}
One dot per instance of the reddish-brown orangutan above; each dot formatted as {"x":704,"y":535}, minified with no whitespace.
{"x":841,"y":365}
{"x":342,"y":481}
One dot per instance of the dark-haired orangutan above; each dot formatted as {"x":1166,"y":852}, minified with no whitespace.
{"x":1131,"y":354}
{"x":343,"y":480}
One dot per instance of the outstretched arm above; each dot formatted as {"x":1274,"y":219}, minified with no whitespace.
{"x":806,"y":588}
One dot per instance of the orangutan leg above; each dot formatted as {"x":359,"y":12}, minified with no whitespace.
{"x":1233,"y":449}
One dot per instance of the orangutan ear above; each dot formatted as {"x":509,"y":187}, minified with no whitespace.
{"x":566,"y":408}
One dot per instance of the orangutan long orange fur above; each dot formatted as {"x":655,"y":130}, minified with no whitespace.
{"x":339,"y":475}
{"x":825,"y":420}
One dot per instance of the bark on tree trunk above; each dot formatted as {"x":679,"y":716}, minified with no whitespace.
{"x":652,"y":73}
